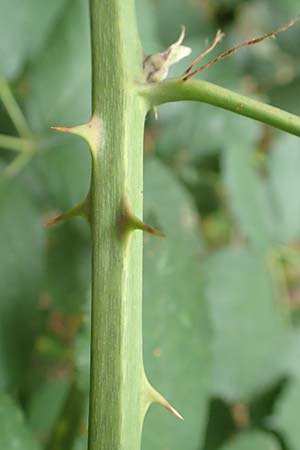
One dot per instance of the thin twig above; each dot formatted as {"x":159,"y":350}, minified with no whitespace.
{"x":214,"y":43}
{"x":18,"y":163}
{"x":14,"y":110}
{"x":244,"y":44}
{"x":202,"y":91}
{"x":15,"y":143}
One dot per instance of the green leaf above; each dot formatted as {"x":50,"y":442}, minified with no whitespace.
{"x":284,"y":168}
{"x":62,"y":173}
{"x":248,"y":196}
{"x":249,"y":327}
{"x":176,"y":329}
{"x":286,"y":415}
{"x":201,"y":129}
{"x":24,"y":28}
{"x":21,"y":243}
{"x":41,"y":418}
{"x":82,"y":353}
{"x":61,"y":176}
{"x":60,"y":79}
{"x":14,"y":434}
{"x":252,"y":441}
{"x":171,"y":14}
{"x":68,"y":266}
{"x":148,"y":26}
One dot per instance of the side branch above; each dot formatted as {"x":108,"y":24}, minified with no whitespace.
{"x":205,"y":92}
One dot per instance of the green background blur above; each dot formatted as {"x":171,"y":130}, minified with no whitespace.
{"x":221,"y":292}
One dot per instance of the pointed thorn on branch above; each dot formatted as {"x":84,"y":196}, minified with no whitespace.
{"x":129,"y":222}
{"x":173,"y":410}
{"x":139,"y":225}
{"x":54,"y":220}
{"x":92,"y":132}
{"x":62,"y":129}
{"x":80,"y":210}
{"x":156,"y":397}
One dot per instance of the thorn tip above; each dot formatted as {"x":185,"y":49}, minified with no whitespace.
{"x":54,"y":220}
{"x":173,"y":410}
{"x":62,"y":129}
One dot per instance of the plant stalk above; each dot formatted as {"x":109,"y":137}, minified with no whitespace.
{"x":205,"y":92}
{"x":14,"y":110}
{"x":117,"y":375}
{"x":16,"y":143}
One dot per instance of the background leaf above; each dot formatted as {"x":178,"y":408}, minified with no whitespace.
{"x":285,"y":415}
{"x":176,"y":329}
{"x":24,"y":29}
{"x":284,"y":166}
{"x":252,"y":440}
{"x":21,"y":243}
{"x":60,"y":80}
{"x":244,"y":306}
{"x":14,"y":434}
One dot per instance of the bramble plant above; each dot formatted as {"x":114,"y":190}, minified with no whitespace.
{"x":127,"y":84}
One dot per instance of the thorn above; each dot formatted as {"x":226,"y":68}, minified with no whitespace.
{"x":80,"y":210}
{"x":54,"y":220}
{"x":156,"y":397}
{"x":173,"y":410}
{"x":91,"y":132}
{"x":63,"y":129}
{"x":129,"y":222}
{"x":138,"y":224}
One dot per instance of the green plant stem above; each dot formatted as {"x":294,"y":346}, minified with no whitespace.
{"x":115,"y":416}
{"x":14,"y":110}
{"x":15,"y":143}
{"x":18,"y":163}
{"x":205,"y":92}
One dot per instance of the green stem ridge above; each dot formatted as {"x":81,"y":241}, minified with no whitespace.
{"x":117,"y":374}
{"x":205,"y":92}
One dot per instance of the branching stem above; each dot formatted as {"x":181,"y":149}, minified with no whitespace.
{"x":205,"y":92}
{"x":15,"y":143}
{"x":14,"y":110}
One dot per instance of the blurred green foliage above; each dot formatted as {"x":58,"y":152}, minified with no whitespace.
{"x":221,"y":293}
